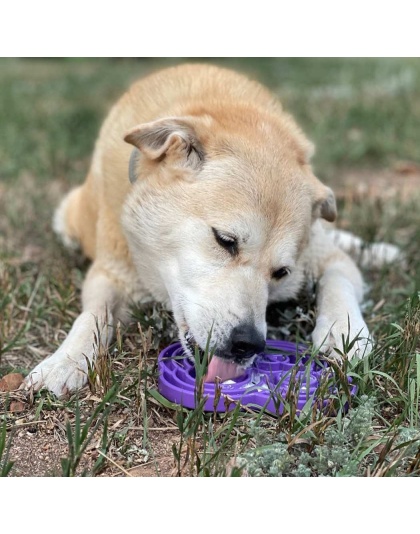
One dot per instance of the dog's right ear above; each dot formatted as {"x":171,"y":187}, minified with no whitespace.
{"x":171,"y":141}
{"x":324,"y":205}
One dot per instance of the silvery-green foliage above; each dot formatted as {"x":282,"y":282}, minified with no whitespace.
{"x":358,"y":424}
{"x":270,"y":460}
{"x":332,"y":456}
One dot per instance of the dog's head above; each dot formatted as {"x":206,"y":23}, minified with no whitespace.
{"x":219,"y":215}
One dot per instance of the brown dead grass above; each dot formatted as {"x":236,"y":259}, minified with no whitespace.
{"x":402,"y":181}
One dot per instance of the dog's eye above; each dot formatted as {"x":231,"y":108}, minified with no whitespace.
{"x":226,"y":241}
{"x":280,"y":273}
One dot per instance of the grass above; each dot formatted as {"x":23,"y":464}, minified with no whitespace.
{"x":362,"y":116}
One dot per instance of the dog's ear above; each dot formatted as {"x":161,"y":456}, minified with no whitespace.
{"x":171,"y":140}
{"x":324,"y":203}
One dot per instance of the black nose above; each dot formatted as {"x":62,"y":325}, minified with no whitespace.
{"x":246,"y":341}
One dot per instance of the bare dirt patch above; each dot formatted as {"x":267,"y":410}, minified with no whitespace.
{"x":38,"y":448}
{"x":39,"y":443}
{"x":401,"y":181}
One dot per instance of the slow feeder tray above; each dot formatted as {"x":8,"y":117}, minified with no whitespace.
{"x":265,"y":383}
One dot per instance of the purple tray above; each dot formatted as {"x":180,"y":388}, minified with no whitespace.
{"x":265,"y":383}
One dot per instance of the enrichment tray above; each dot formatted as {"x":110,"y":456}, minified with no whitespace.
{"x":265,"y":383}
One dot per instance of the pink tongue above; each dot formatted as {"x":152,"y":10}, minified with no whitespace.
{"x":223,"y":369}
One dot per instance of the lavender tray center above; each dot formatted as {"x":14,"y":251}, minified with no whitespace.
{"x":265,"y":383}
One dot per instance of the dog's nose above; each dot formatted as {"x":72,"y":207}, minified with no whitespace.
{"x":246,"y":341}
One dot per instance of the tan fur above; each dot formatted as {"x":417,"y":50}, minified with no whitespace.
{"x":212,"y":150}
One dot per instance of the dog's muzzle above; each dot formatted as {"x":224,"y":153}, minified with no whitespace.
{"x":229,"y":361}
{"x":244,"y":343}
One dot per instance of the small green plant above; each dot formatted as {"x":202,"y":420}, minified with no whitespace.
{"x":79,"y":438}
{"x":5,"y":465}
{"x":146,"y":342}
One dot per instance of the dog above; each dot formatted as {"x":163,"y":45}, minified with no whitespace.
{"x":201,"y":196}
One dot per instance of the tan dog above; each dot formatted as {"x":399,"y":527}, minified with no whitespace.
{"x":214,"y":212}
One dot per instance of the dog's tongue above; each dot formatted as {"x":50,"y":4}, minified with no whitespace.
{"x":222,"y":369}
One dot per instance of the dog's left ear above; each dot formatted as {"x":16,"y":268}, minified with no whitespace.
{"x":173,"y":141}
{"x":324,"y":203}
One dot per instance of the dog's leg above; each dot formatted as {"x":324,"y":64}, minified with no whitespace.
{"x":104,"y":303}
{"x":340,"y":290}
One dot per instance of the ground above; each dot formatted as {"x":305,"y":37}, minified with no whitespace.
{"x":362,"y":116}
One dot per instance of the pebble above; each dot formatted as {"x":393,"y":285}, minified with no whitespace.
{"x":11,"y":382}
{"x":17,"y":406}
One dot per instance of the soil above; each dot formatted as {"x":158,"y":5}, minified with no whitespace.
{"x":37,"y":451}
{"x":39,"y":444}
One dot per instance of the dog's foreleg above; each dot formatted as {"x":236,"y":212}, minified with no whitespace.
{"x":340,"y":327}
{"x":103,"y":304}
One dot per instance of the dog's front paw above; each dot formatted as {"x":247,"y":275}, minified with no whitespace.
{"x":61,"y":374}
{"x":348,"y":337}
{"x":67,"y":369}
